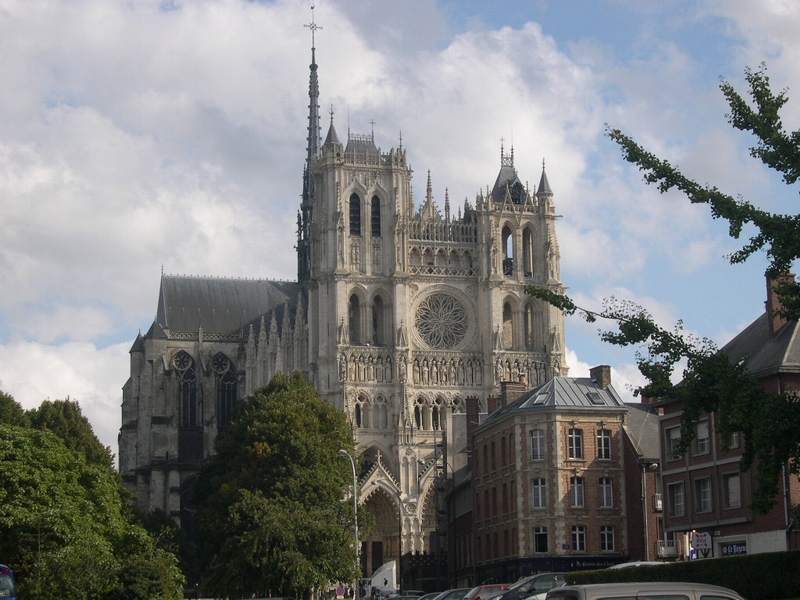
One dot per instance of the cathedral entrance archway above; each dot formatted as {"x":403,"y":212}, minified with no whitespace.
{"x":383,"y":542}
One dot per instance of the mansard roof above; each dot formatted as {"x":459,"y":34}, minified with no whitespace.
{"x":563,"y":393}
{"x":220,"y":305}
{"x":764,"y":355}
{"x":570,"y":392}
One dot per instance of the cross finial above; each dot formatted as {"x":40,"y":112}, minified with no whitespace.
{"x":373,"y":129}
{"x":312,"y":26}
{"x":330,"y":112}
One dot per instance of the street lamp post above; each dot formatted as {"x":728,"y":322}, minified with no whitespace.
{"x":343,"y":452}
{"x":646,"y":466}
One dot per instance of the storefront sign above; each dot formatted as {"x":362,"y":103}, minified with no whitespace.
{"x":733,"y":549}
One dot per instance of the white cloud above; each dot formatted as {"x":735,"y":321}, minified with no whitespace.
{"x":93,"y":377}
{"x":135,"y":137}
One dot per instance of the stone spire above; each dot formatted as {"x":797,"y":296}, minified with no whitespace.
{"x":544,"y":185}
{"x":313,"y":138}
{"x":313,"y":146}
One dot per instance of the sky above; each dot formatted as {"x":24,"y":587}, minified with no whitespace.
{"x":151,"y":135}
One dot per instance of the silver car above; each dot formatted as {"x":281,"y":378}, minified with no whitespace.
{"x":662,"y":590}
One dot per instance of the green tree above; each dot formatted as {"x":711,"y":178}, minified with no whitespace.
{"x":66,"y":523}
{"x":272,"y":498}
{"x":65,"y":528}
{"x":169,"y":536}
{"x":65,"y":419}
{"x":770,"y":423}
{"x":11,"y":411}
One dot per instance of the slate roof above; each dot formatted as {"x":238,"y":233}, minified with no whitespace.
{"x":219,"y":305}
{"x":567,"y":393}
{"x":332,"y":138}
{"x":544,"y":185}
{"x":641,"y":424}
{"x":361,"y":144}
{"x":766,"y":356}
{"x":507,"y":179}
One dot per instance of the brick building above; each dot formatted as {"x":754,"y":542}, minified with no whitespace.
{"x":705,"y":490}
{"x":551,"y":489}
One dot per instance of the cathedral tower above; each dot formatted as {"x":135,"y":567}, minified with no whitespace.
{"x":411,"y":312}
{"x":404,"y":313}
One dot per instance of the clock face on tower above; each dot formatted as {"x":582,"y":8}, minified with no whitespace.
{"x":442,"y":321}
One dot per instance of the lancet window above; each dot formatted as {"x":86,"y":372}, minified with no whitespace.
{"x":187,"y":389}
{"x":355,"y":215}
{"x":376,"y":217}
{"x":508,"y":251}
{"x":527,"y":252}
{"x":226,"y":388}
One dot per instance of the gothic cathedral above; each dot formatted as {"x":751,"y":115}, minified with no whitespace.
{"x":399,"y":315}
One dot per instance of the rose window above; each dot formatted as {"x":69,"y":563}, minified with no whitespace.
{"x":441,"y":321}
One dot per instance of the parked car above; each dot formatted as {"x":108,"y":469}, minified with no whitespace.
{"x":430,"y":596}
{"x":643,"y":591}
{"x":533,"y":587}
{"x":454,"y":594}
{"x":482,"y":592}
{"x":637,"y":563}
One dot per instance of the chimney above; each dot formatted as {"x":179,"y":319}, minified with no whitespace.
{"x":775,"y":321}
{"x":601,"y":375}
{"x":510,"y":391}
{"x":492,"y":403}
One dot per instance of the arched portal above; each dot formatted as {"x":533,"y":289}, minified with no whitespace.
{"x":382,"y":544}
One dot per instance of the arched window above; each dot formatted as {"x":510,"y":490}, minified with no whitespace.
{"x":381,"y":416}
{"x":355,"y":215}
{"x":437,"y":414}
{"x":508,"y":327}
{"x":422,"y":414}
{"x":226,"y":388}
{"x":380,"y":317}
{"x":376,"y":217}
{"x":528,"y":325}
{"x":187,"y":389}
{"x":527,"y":252}
{"x":354,"y":319}
{"x":508,"y":252}
{"x":359,"y":423}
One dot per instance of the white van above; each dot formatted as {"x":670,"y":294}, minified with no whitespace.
{"x":643,"y":591}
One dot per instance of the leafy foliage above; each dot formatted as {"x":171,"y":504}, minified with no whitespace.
{"x":65,"y":419}
{"x":169,"y":536}
{"x":778,"y":235}
{"x":271,"y":499}
{"x":770,"y":423}
{"x":11,"y":411}
{"x":65,"y":520}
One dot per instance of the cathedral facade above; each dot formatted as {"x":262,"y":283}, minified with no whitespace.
{"x":401,"y":312}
